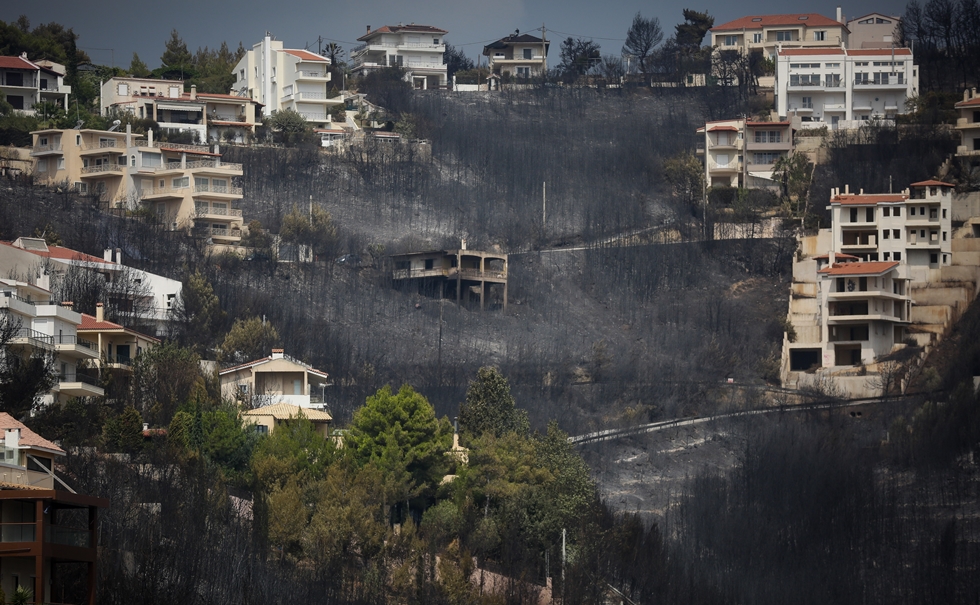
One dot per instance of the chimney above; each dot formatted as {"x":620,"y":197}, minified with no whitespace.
{"x":193,"y":92}
{"x":277,"y":353}
{"x":840,"y":15}
{"x":99,"y":312}
{"x":107,"y":255}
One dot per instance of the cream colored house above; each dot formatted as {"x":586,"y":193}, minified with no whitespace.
{"x":418,"y":49}
{"x":212,"y":117}
{"x":518,"y":55}
{"x":765,"y":33}
{"x":185,"y":186}
{"x":118,"y":347}
{"x":275,"y":379}
{"x":287,"y":78}
{"x":267,"y":419}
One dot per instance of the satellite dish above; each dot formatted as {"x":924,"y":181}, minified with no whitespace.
{"x":115,"y":125}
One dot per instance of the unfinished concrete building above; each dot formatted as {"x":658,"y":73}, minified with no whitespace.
{"x":466,"y":276}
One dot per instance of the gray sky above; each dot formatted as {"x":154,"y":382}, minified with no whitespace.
{"x":118,"y":25}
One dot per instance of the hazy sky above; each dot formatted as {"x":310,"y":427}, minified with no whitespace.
{"x":125,"y":27}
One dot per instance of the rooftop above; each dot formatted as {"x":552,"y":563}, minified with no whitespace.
{"x":760,"y":21}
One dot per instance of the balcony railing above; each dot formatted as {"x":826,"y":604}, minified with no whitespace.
{"x":48,"y":147}
{"x":71,"y":339}
{"x":109,"y":167}
{"x":204,"y":210}
{"x":69,"y":377}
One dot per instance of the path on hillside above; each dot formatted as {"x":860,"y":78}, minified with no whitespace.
{"x":610,"y":434}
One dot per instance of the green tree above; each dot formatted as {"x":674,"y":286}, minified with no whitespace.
{"x":197,"y":313}
{"x":489,"y":406}
{"x":401,"y":434}
{"x":137,"y":68}
{"x":175,"y":55}
{"x":248,"y":339}
{"x":315,"y":230}
{"x":643,"y":37}
{"x":290,"y":128}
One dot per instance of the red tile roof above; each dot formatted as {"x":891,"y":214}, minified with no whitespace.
{"x":57,"y":252}
{"x":305,"y":55}
{"x":854,"y":199}
{"x":830,"y":50}
{"x":89,"y":324}
{"x":760,"y":21}
{"x":931,"y":184}
{"x":869,"y":268}
{"x":27,"y":436}
{"x":17,"y":63}
{"x":397,"y":29}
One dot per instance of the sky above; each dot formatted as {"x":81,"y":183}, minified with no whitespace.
{"x":112,"y":30}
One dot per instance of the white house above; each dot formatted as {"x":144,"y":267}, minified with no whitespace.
{"x":843,"y":87}
{"x":287,"y":78}
{"x":419,"y":49}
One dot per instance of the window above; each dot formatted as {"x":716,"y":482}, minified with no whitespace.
{"x":820,"y":36}
{"x":730,"y":40}
{"x":784,"y":36}
{"x":757,"y":38}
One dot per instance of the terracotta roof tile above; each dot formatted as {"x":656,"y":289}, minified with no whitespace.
{"x":869,"y":268}
{"x":27,"y":436}
{"x":760,"y":21}
{"x":931,"y":184}
{"x":855,"y":199}
{"x":17,"y":63}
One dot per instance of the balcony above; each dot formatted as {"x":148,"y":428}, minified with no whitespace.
{"x":21,"y":306}
{"x":886,"y":81}
{"x":40,"y":151}
{"x":109,"y":146}
{"x":218,"y":213}
{"x":73,"y":346}
{"x":74,"y":384}
{"x":107,"y":169}
{"x":227,"y":235}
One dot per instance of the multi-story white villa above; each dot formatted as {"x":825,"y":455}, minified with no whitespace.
{"x":842,"y":87}
{"x":742,"y":153}
{"x":43,"y":326}
{"x":212,"y":117}
{"x":184,"y":185}
{"x":25,"y":83}
{"x":287,"y":78}
{"x":765,"y":33}
{"x":858,"y":285}
{"x":419,"y":49}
